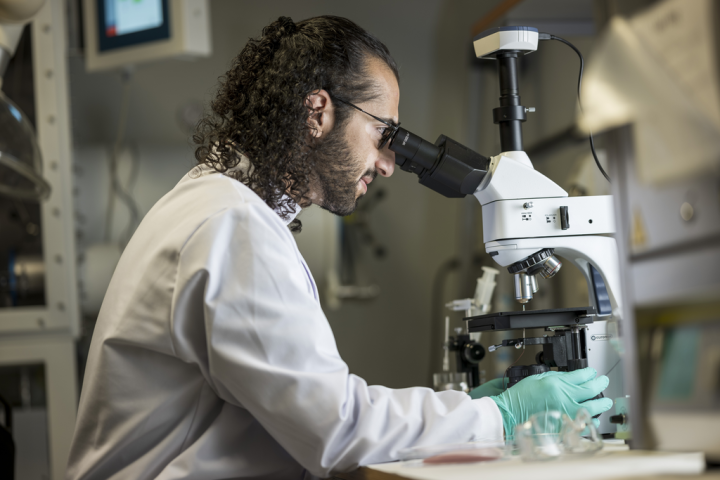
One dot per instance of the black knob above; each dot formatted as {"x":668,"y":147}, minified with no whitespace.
{"x":564,"y":218}
{"x":618,"y":419}
{"x":518,"y":372}
{"x":474,"y":352}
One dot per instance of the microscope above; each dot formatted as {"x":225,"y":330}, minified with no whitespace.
{"x":529,"y":224}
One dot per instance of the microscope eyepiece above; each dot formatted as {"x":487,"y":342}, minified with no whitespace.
{"x":412,"y":152}
{"x":447,"y":167}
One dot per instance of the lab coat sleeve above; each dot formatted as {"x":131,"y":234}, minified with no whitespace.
{"x":268,"y":348}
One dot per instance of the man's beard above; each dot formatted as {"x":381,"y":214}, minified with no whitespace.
{"x":337,"y":172}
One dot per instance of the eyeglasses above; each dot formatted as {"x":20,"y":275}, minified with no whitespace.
{"x":387,"y":134}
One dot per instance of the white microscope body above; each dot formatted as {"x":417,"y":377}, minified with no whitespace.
{"x":522,"y":215}
{"x":527,"y":220}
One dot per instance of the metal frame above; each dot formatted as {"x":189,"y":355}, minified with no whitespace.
{"x":61,"y":311}
{"x":57,"y":354}
{"x":680,"y":271}
{"x":619,"y":146}
{"x":46,"y":334}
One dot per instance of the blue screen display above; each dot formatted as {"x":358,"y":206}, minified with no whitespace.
{"x":124,"y":23}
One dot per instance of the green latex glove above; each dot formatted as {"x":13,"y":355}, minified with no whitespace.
{"x":562,"y":391}
{"x":488,"y":389}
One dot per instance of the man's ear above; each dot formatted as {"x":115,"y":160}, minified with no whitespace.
{"x":322,"y":113}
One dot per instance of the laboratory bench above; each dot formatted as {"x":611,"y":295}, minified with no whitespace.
{"x":365,"y":473}
{"x":628,"y":464}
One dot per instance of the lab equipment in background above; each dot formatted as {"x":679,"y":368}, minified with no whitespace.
{"x":335,"y":249}
{"x":36,"y":248}
{"x":480,"y":304}
{"x":651,"y":96}
{"x":20,"y":160}
{"x":468,"y":354}
{"x":345,"y":279}
{"x":528,"y":219}
{"x":14,"y":15}
{"x":468,"y":350}
{"x":39,"y":315}
{"x":7,"y":444}
{"x":24,"y":281}
{"x":622,"y":418}
{"x":464,"y":379}
{"x":120,"y":33}
{"x":659,"y":71}
{"x":443,"y":381}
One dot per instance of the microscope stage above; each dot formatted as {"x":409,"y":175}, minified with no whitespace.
{"x":556,"y":317}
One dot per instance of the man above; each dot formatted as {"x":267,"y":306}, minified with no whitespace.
{"x":211,"y":358}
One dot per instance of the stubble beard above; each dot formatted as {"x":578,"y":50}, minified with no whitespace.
{"x":336,"y":173}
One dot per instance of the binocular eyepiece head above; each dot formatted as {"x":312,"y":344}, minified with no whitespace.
{"x":446,"y":166}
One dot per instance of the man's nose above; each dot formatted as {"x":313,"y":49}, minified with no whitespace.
{"x":385,"y":164}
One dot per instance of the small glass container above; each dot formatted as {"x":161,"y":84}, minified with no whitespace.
{"x":450,"y":381}
{"x":550,"y":435}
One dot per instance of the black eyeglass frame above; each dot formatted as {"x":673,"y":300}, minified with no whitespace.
{"x":387,"y":135}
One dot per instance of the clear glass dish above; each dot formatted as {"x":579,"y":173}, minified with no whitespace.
{"x":551,"y":435}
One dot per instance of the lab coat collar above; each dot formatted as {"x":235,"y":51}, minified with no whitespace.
{"x":245,"y":165}
{"x":290,"y":216}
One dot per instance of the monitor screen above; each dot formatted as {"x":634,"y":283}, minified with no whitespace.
{"x":123,"y":23}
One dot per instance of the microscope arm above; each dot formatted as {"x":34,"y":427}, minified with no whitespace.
{"x":524,"y":212}
{"x":518,"y":223}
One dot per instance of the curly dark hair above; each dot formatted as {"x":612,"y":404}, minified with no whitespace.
{"x":260,"y":109}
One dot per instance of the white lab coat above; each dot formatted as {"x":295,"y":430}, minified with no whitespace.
{"x":212,"y":359}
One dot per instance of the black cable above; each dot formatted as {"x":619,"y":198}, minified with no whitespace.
{"x":547,"y":36}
